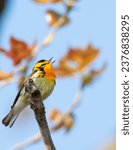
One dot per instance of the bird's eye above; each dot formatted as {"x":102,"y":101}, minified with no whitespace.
{"x":43,"y":65}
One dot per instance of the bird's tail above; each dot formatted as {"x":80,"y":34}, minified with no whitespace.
{"x":10,"y":118}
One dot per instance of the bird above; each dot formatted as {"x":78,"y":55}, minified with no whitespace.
{"x":44,"y":78}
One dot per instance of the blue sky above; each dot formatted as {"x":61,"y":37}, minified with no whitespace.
{"x":91,"y":22}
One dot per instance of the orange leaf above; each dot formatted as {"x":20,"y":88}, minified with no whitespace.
{"x":54,"y":113}
{"x":55,"y":19}
{"x":68,"y":121}
{"x":48,"y":1}
{"x":19,"y":50}
{"x":5,"y":76}
{"x":76,"y":60}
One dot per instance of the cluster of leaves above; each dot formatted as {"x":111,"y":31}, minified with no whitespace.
{"x":21,"y":51}
{"x":5,"y":76}
{"x":76,"y":60}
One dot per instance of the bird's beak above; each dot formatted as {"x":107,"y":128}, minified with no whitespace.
{"x":51,"y":60}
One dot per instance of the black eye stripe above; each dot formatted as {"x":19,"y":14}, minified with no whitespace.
{"x":39,"y":68}
{"x":43,"y":65}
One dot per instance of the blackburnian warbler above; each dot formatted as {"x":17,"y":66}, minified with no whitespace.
{"x":44,"y":78}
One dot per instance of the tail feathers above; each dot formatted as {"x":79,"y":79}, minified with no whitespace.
{"x":10,"y":118}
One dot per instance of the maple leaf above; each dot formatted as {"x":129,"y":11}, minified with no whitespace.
{"x":48,"y":1}
{"x":61,"y":120}
{"x":5,"y":76}
{"x":56,"y":19}
{"x":76,"y":60}
{"x":19,"y":50}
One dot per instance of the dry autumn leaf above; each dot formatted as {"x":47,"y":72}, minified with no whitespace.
{"x":5,"y":76}
{"x":48,"y":1}
{"x":76,"y":60}
{"x":19,"y":50}
{"x":70,"y":4}
{"x":89,"y":78}
{"x":55,"y":19}
{"x":61,"y":120}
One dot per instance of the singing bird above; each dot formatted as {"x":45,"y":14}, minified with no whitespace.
{"x":43,"y":76}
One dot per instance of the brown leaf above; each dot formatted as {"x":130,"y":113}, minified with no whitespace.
{"x":55,"y":19}
{"x":61,"y":120}
{"x":48,"y":1}
{"x":89,"y":77}
{"x":19,"y":50}
{"x":54,"y":113}
{"x":68,"y":121}
{"x":70,"y":4}
{"x":76,"y":60}
{"x":5,"y":76}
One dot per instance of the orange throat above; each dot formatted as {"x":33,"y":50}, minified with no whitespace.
{"x":49,"y":72}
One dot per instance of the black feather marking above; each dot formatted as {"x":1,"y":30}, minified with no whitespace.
{"x":42,"y":60}
{"x":14,"y":121}
{"x":20,"y":91}
{"x":17,"y":97}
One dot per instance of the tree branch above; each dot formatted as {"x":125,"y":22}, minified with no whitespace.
{"x":36,"y":138}
{"x":39,"y":112}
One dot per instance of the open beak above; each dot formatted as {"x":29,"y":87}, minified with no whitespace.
{"x":51,"y":60}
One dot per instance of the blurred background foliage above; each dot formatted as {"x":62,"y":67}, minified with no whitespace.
{"x":77,"y":66}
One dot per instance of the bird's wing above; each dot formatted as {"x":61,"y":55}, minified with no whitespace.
{"x":17,"y":96}
{"x":21,"y":90}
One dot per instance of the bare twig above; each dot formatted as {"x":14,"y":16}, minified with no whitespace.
{"x":39,"y":111}
{"x":50,"y":37}
{"x":27,"y":142}
{"x":8,"y":81}
{"x":76,"y":101}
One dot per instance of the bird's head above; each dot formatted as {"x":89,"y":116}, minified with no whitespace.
{"x":46,"y":66}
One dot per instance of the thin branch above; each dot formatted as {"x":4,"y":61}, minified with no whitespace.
{"x":8,"y":81}
{"x":39,"y":112}
{"x":50,"y":37}
{"x":76,"y":101}
{"x":36,"y":138}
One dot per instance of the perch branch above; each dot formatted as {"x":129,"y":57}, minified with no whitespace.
{"x":39,"y":111}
